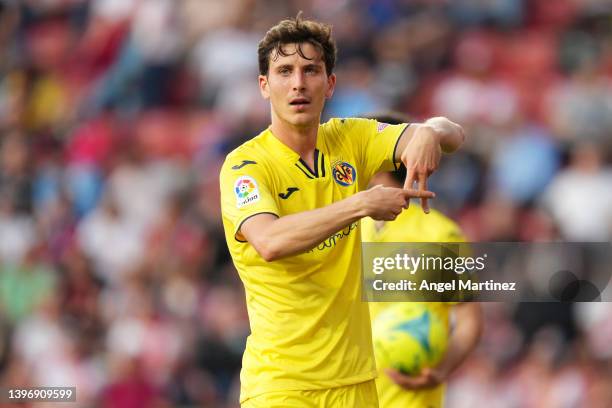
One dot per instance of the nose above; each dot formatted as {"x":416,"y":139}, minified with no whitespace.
{"x":298,"y":81}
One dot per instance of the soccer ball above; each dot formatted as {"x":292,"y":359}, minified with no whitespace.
{"x":410,"y":336}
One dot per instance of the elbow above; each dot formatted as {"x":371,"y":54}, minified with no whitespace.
{"x":264,"y":239}
{"x":267,"y":250}
{"x":270,"y":255}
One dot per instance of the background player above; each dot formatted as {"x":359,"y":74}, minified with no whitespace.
{"x":427,"y":389}
{"x":291,"y":201}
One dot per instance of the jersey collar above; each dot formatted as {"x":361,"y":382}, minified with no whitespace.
{"x":280,"y":148}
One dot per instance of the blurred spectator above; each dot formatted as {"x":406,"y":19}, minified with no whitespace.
{"x":503,"y":13}
{"x":141,"y":333}
{"x":24,"y":285}
{"x":226,"y":63}
{"x":17,"y":233}
{"x":581,"y":107}
{"x":524,"y":162}
{"x":105,"y":228}
{"x":473,"y":94}
{"x":15,"y":177}
{"x":355,"y":94}
{"x":581,"y":218}
{"x":130,"y":387}
{"x":595,"y":320}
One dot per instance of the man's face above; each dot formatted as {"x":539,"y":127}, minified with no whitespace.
{"x":297,"y":87}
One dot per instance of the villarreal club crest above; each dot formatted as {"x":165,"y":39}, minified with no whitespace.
{"x":344,"y":173}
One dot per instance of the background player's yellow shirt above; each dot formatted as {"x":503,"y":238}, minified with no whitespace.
{"x":309,"y":328}
{"x":412,"y":225}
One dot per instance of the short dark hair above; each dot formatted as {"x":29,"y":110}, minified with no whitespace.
{"x":298,"y":31}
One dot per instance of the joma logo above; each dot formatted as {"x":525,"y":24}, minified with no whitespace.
{"x":290,"y":191}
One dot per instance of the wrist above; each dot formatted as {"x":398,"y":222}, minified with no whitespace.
{"x":443,"y":370}
{"x":434,"y":133}
{"x":358,"y":205}
{"x":449,"y":135}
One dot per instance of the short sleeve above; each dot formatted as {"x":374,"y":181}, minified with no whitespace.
{"x":377,"y":142}
{"x":245,"y":192}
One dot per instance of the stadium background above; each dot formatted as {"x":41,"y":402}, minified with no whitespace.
{"x":115,"y":116}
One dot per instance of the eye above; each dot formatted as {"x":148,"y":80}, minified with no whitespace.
{"x":312,"y":70}
{"x":284,"y":71}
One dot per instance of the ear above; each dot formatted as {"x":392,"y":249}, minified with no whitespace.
{"x":331,"y":85}
{"x":263,"y":87}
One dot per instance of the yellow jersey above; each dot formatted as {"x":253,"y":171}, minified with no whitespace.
{"x":412,"y":225}
{"x":309,"y":328}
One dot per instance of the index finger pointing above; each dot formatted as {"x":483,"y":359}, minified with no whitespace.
{"x":411,"y":193}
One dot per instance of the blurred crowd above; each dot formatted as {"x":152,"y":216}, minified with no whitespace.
{"x":115,"y":116}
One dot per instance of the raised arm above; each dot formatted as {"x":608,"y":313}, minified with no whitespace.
{"x":449,"y":135}
{"x":274,"y":238}
{"x":420,"y":148}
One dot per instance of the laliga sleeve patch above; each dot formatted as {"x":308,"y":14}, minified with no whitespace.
{"x":246,"y":191}
{"x":380,"y":126}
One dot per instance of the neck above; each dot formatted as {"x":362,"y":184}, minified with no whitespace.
{"x":301,"y":139}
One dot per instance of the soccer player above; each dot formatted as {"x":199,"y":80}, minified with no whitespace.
{"x":292,"y":198}
{"x":425,"y":390}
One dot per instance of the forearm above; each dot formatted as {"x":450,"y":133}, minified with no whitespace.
{"x":464,"y":338}
{"x":275,"y":238}
{"x":447,"y":134}
{"x":296,"y":233}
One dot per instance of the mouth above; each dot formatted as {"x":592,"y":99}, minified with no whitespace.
{"x":299,"y":103}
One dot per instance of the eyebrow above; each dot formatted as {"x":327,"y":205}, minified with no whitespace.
{"x":289,"y":66}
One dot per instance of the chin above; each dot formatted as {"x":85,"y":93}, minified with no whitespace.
{"x":303,"y":123}
{"x":304,"y":119}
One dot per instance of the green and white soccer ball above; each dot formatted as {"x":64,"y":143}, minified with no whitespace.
{"x":410,"y":337}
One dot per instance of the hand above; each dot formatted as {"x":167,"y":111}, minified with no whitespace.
{"x":421,"y":158}
{"x":428,"y":378}
{"x":386,"y":203}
